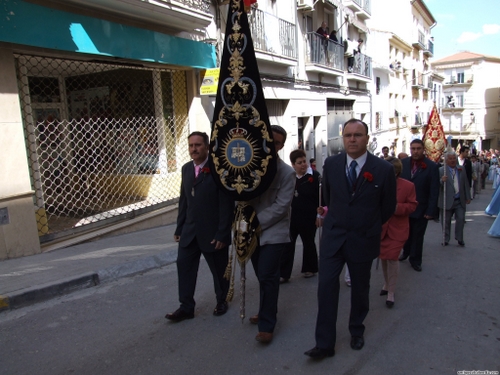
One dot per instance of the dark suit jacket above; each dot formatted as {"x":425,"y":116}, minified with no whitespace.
{"x":356,"y":220}
{"x":207,"y":215}
{"x":468,"y":170}
{"x":426,"y":182}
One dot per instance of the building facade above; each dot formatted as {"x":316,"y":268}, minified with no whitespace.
{"x":403,"y":88}
{"x":470,"y":106}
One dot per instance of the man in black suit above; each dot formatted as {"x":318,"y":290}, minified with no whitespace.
{"x":360,"y":192}
{"x":203,"y":227}
{"x":424,"y":174}
{"x":463,"y":160}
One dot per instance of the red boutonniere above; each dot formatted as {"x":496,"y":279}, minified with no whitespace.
{"x":423,"y":166}
{"x":205,"y":170}
{"x":310,"y":179}
{"x":368,"y":176}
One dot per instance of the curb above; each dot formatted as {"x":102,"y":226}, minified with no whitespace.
{"x":44,"y":292}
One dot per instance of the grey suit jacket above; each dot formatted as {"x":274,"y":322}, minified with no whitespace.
{"x":273,"y":206}
{"x":205,"y":211}
{"x":464,"y":188}
{"x":356,"y":219}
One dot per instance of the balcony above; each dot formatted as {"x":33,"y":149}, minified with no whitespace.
{"x":460,"y":80}
{"x":417,"y":81}
{"x":420,"y":42}
{"x":182,"y":15}
{"x":323,"y":53}
{"x":359,"y":66}
{"x":362,"y":8}
{"x":263,"y":27}
{"x":429,"y":50}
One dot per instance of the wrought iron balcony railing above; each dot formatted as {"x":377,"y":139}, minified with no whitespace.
{"x":202,"y":5}
{"x":430,"y":47}
{"x":362,"y":65}
{"x":263,"y":27}
{"x":325,"y":52}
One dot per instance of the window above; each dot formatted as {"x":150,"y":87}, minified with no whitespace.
{"x":377,"y":85}
{"x":460,"y":101}
{"x":460,"y":77}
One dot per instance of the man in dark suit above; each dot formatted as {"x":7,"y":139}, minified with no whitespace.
{"x":424,"y":174}
{"x":360,"y":192}
{"x":456,"y":198}
{"x":464,"y":161}
{"x":203,"y":227}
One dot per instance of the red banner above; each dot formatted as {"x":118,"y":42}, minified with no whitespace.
{"x":434,"y":139}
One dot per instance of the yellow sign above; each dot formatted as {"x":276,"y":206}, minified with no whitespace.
{"x":209,"y":81}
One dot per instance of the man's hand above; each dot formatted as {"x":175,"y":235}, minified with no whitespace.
{"x":444,"y":178}
{"x":467,"y":201}
{"x":218,"y":245}
{"x":428,"y":217}
{"x":177,"y":238}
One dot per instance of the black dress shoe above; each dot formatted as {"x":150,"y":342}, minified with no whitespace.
{"x":389,"y":304}
{"x":403,"y":257}
{"x":383,"y":292}
{"x":179,"y":315}
{"x":220,"y":309}
{"x":318,"y":353}
{"x":461,"y":243}
{"x":445,"y":244}
{"x":357,"y":342}
{"x":417,"y":268}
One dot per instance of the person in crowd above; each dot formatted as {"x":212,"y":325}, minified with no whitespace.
{"x":333,"y":36}
{"x":424,"y":173}
{"x":323,"y":30}
{"x":203,"y":227}
{"x":395,"y":232}
{"x":273,"y":212}
{"x":359,"y":190}
{"x":485,"y":167}
{"x":402,"y":155}
{"x":312,"y":163}
{"x":476,"y":176}
{"x":463,"y":160}
{"x":385,"y":152}
{"x":454,"y":198}
{"x":303,"y":218}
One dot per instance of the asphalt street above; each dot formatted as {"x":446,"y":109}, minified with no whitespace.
{"x":445,"y":320}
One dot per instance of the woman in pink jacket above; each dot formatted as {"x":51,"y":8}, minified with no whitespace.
{"x":395,"y":232}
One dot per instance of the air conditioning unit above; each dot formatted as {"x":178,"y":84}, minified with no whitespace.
{"x":305,"y":4}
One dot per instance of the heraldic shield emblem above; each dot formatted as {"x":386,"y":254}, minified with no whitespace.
{"x":434,"y":139}
{"x":243,"y":156}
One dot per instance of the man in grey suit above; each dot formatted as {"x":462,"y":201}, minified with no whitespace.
{"x":273,"y":211}
{"x":360,"y":192}
{"x":203,"y":227}
{"x":456,"y":198}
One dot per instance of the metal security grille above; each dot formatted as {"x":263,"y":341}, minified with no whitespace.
{"x":105,"y":142}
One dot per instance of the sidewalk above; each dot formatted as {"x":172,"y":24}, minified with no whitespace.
{"x":28,"y":280}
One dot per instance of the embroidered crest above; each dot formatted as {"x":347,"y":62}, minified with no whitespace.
{"x":243,"y":156}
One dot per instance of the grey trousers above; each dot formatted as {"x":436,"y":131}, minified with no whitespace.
{"x":459,"y":211}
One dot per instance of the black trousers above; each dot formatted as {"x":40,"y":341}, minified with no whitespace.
{"x":188,"y":262}
{"x":330,"y":267}
{"x":415,"y":243}
{"x":266,"y":264}
{"x":307,"y":233}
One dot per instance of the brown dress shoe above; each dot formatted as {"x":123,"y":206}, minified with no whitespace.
{"x":254,"y":319}
{"x":264,"y":337}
